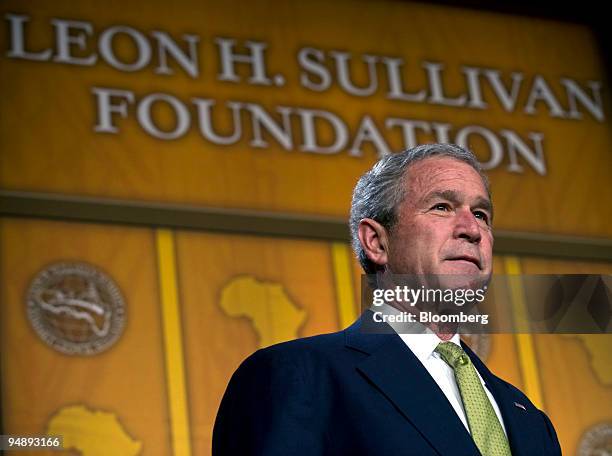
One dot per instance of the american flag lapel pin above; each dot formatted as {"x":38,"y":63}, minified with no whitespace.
{"x":521,"y":406}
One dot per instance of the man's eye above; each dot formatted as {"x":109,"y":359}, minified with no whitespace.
{"x":441,"y":207}
{"x":481,"y":215}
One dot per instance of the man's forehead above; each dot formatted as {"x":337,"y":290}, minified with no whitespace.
{"x":444,"y":174}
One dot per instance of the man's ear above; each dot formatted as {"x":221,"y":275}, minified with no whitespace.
{"x":374,"y":241}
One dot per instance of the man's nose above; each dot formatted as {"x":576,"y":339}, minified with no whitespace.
{"x":466,"y":226}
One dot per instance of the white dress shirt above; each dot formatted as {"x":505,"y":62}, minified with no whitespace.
{"x":423,"y":346}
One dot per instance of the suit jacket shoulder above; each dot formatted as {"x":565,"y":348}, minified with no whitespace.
{"x":355,"y":393}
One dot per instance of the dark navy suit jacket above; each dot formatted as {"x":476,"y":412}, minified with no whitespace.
{"x":359,"y":394}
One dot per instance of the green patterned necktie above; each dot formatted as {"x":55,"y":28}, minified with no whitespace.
{"x":484,"y":426}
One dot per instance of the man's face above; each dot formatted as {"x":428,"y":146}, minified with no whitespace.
{"x":443,"y":224}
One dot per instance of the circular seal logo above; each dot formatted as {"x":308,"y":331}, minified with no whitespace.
{"x":596,"y":441}
{"x":75,"y":308}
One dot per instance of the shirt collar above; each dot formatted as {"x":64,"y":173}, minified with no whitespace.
{"x":424,"y":345}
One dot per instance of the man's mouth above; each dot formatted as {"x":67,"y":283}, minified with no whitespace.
{"x":469,"y":258}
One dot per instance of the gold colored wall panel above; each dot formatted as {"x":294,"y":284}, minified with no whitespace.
{"x":127,"y":380}
{"x":48,"y":141}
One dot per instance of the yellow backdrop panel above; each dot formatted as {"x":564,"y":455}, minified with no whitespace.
{"x":125,"y":384}
{"x":48,"y":141}
{"x":575,"y":369}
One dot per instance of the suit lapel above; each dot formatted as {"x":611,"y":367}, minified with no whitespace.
{"x":403,"y":380}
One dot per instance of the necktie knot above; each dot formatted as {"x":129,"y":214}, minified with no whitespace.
{"x":453,"y":354}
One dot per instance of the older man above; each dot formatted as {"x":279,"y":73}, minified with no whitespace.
{"x":424,"y":212}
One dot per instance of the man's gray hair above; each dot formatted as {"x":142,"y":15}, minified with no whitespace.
{"x":380,"y":191}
